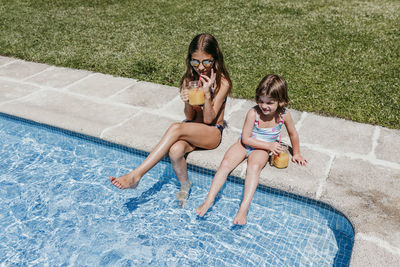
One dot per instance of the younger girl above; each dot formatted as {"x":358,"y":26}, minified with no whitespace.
{"x":203,"y":125}
{"x":260,"y":133}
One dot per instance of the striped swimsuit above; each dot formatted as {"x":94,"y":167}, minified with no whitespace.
{"x":265,"y":134}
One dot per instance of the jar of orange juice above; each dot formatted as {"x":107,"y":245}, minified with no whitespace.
{"x":281,"y":161}
{"x":196,"y":94}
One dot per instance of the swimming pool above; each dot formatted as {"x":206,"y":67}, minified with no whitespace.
{"x":57,"y":207}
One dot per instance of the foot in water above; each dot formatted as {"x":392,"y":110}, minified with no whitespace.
{"x":241,"y":217}
{"x":183,"y":193}
{"x":129,"y":180}
{"x":203,"y":208}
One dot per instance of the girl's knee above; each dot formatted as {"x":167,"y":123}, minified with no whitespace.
{"x":255,"y":166}
{"x":225,"y":164}
{"x":175,"y":127}
{"x":176,"y":151}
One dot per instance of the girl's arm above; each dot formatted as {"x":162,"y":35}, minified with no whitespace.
{"x":190,"y":112}
{"x":212,"y":107}
{"x":273,"y":147}
{"x":294,"y":139}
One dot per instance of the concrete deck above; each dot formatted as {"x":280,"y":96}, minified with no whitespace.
{"x":352,"y":166}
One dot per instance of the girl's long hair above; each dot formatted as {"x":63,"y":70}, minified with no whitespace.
{"x":206,"y":43}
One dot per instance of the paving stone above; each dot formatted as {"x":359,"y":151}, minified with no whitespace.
{"x":22,"y":69}
{"x":236,"y":118}
{"x":368,"y":194}
{"x":388,"y":145}
{"x":147,"y":94}
{"x":142,"y":131}
{"x":173,"y":109}
{"x":302,"y":180}
{"x":12,"y":90}
{"x":368,"y":254}
{"x":5,"y":60}
{"x":101,"y":85}
{"x":337,"y":134}
{"x":232,"y":105}
{"x":68,"y":112}
{"x":58,"y":77}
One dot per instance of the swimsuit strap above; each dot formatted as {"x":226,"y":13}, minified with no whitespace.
{"x":283,"y":114}
{"x":256,"y":121}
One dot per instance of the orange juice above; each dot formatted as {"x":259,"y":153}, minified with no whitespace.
{"x":196,"y":97}
{"x":282,"y":160}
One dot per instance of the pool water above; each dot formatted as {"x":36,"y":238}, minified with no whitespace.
{"x":57,"y":207}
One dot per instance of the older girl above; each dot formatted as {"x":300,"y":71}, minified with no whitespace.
{"x":203,"y":125}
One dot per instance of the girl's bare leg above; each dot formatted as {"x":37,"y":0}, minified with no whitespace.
{"x":233,"y":157}
{"x":197,"y":134}
{"x":255,"y":163}
{"x":177,"y":155}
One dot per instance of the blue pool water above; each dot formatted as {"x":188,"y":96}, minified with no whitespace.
{"x":57,"y":207}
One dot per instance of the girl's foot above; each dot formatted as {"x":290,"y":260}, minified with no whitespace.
{"x":183,"y":193}
{"x":241,"y":217}
{"x":203,"y":208}
{"x":129,"y":180}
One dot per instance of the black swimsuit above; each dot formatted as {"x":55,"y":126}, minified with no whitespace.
{"x":218,"y":126}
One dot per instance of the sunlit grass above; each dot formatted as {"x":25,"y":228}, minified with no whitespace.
{"x":340,"y":58}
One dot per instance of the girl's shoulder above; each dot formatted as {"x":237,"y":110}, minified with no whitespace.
{"x":286,"y":116}
{"x":225,"y":84}
{"x":253,"y":111}
{"x":224,"y":80}
{"x":285,"y":112}
{"x":251,"y":114}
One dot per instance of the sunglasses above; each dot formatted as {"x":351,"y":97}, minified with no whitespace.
{"x":207,"y":63}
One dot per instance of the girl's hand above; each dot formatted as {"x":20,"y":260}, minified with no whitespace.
{"x":275,"y":148}
{"x":207,"y":82}
{"x":299,"y":160}
{"x":185,"y":95}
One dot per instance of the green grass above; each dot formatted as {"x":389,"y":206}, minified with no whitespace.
{"x":340,"y":58}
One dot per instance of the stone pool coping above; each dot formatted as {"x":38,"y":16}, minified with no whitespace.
{"x":351,"y":167}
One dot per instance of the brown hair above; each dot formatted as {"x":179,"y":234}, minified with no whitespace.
{"x":275,"y":87}
{"x":206,"y":43}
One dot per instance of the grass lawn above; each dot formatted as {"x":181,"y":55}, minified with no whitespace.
{"x":340,"y":58}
